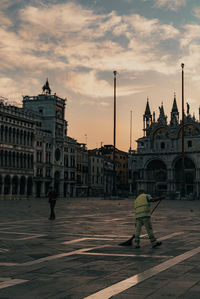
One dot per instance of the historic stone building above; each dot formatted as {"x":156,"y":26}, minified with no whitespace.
{"x":121,"y":167}
{"x":35,"y":151}
{"x":51,"y":129}
{"x":95,"y":173}
{"x":17,"y":129}
{"x":157,"y":164}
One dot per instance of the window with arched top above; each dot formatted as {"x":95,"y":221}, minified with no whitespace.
{"x":162,"y":145}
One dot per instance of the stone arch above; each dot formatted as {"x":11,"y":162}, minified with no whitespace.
{"x":29,"y":185}
{"x":17,"y":160}
{"x":6,"y":134}
{"x":10,"y":134}
{"x":9,"y":159}
{"x":15,"y":183}
{"x":14,"y":135}
{"x":156,"y":176}
{"x":21,"y":160}
{"x":1,"y":133}
{"x":22,"y":185}
{"x":189,"y":130}
{"x":17,"y":136}
{"x":184,"y":180}
{"x":28,"y":138}
{"x":25,"y":141}
{"x":24,"y":161}
{"x":21,"y":137}
{"x":57,"y":181}
{"x":13,"y":159}
{"x":32,"y":138}
{"x":7,"y":184}
{"x":161,"y":133}
{"x":1,"y":157}
{"x":6,"y":158}
{"x":32,"y":161}
{"x":1,"y":184}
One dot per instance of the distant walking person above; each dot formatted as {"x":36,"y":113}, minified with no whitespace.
{"x":52,"y":195}
{"x":143,"y":217}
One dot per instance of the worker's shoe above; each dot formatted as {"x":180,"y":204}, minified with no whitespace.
{"x":137,"y":246}
{"x":157,"y":244}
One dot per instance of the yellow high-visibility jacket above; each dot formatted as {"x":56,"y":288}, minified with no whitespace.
{"x":142,"y":206}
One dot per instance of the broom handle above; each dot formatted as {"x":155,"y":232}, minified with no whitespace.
{"x":156,"y":206}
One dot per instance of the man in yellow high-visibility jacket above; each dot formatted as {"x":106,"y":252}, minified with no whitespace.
{"x":143,"y":217}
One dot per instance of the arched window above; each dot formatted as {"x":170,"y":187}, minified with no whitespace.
{"x":17,"y":160}
{"x":22,"y":185}
{"x":17,"y":136}
{"x":14,"y":133}
{"x":28,"y":138}
{"x":14,"y":162}
{"x":21,"y":161}
{"x":21,"y":136}
{"x":25,"y":138}
{"x":6,"y":158}
{"x":7,"y":184}
{"x":6,"y":134}
{"x":1,"y":184}
{"x":9,"y":159}
{"x":162,"y":145}
{"x":10,"y":134}
{"x":14,"y":184}
{"x":29,"y":186}
{"x":24,"y":162}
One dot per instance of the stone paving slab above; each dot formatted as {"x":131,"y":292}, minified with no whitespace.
{"x":77,"y":255}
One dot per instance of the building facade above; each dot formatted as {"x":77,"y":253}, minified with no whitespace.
{"x":158,"y":165}
{"x":36,"y":153}
{"x":121,"y":167}
{"x":17,"y":129}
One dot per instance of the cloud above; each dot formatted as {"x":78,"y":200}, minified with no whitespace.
{"x":8,"y":87}
{"x":170,"y":4}
{"x":191,"y":33}
{"x":68,"y":38}
{"x":196,"y":12}
{"x":89,"y":85}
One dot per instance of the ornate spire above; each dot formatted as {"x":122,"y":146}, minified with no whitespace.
{"x":46,"y":88}
{"x":147,"y":110}
{"x":147,"y":119}
{"x":162,"y":118}
{"x":174,"y":107}
{"x":174,"y":113}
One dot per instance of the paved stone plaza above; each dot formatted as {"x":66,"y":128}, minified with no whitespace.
{"x":77,"y":255}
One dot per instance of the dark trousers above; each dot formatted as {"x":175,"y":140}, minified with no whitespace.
{"x":52,"y":205}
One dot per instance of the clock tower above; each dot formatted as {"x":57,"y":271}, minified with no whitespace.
{"x":50,"y":111}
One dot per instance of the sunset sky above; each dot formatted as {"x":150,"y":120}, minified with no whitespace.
{"x":78,"y":44}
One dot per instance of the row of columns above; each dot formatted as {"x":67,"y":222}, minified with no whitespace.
{"x":15,"y":186}
{"x":16,"y":159}
{"x":16,"y":136}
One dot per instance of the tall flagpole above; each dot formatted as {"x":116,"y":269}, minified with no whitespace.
{"x":114,"y":137}
{"x":182,"y":135}
{"x":131,"y":130}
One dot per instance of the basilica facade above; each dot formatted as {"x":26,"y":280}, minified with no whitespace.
{"x":158,"y":165}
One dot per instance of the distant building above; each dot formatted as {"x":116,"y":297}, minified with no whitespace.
{"x":96,"y":173}
{"x":157,"y":163}
{"x":121,"y":167}
{"x":82,"y":187}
